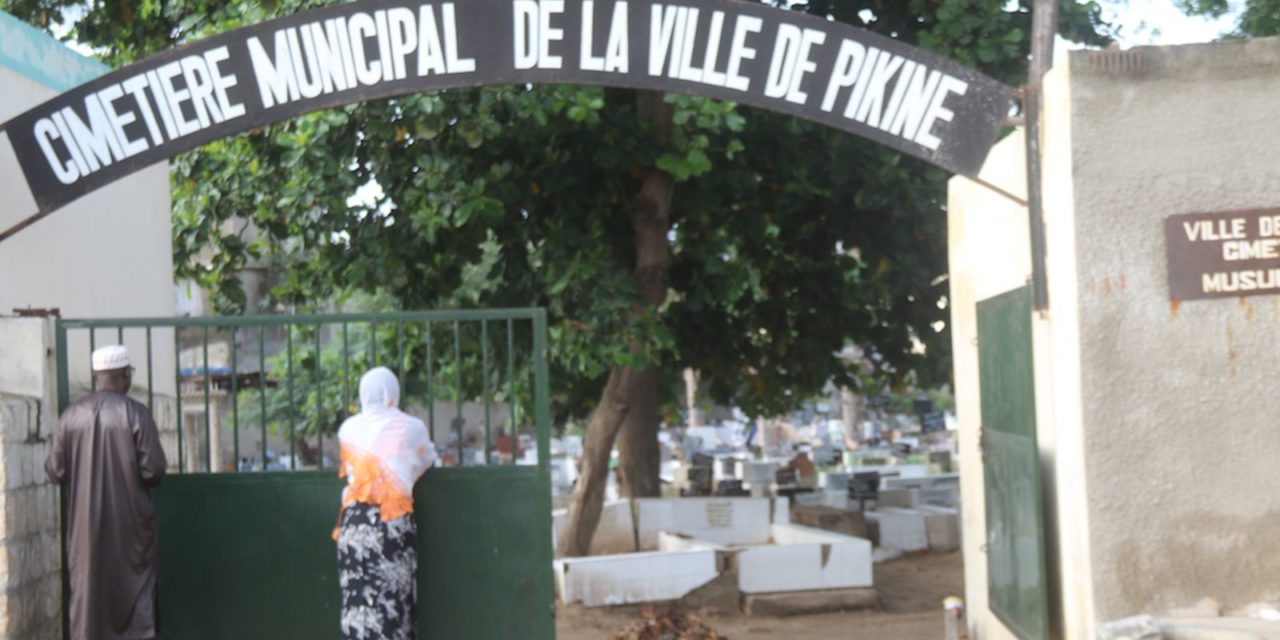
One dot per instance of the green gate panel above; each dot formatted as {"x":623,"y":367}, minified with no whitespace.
{"x":1014,"y":513}
{"x":250,"y":555}
{"x":484,"y":537}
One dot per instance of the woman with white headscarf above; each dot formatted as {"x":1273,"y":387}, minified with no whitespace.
{"x":384,"y":451}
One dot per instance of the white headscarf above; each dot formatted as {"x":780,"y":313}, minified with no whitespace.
{"x":379,"y":391}
{"x":384,"y":450}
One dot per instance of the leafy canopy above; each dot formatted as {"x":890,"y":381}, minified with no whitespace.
{"x":788,"y":240}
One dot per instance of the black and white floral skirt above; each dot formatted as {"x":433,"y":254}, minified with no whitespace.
{"x":377,"y":572}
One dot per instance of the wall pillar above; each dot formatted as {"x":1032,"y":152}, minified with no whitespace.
{"x":30,"y":551}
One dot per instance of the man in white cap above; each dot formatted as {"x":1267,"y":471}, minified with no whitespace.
{"x":106,"y":454}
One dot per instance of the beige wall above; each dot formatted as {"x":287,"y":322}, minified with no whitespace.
{"x":989,"y":255}
{"x":1157,"y":422}
{"x":1180,"y":408}
{"x":109,"y":254}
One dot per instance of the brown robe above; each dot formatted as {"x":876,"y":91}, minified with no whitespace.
{"x":106,"y":454}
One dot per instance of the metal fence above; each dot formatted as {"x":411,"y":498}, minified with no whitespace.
{"x":476,"y":377}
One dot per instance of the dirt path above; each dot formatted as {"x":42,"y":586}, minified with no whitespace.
{"x":911,"y":593}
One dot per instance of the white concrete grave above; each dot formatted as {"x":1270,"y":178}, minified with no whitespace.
{"x":730,"y":521}
{"x":804,"y":559}
{"x":902,"y":498}
{"x":634,"y":577}
{"x":900,"y":529}
{"x":942,"y":527}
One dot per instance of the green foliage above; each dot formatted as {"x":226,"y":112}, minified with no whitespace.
{"x":788,"y":240}
{"x":325,"y":390}
{"x":1259,"y":18}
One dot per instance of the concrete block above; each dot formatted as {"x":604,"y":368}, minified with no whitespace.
{"x":1228,"y":628}
{"x":904,"y":498}
{"x":614,"y":534}
{"x":670,"y":541}
{"x":1135,"y":628}
{"x":842,"y":521}
{"x":19,"y":419}
{"x":804,"y":559}
{"x":834,"y":482}
{"x":913,"y":470}
{"x":728,"y":521}
{"x":901,"y":529}
{"x":945,"y":496}
{"x":810,"y":602}
{"x":634,"y":577}
{"x":22,"y":350}
{"x":908,"y":481}
{"x":758,"y":475}
{"x":24,"y":464}
{"x":781,"y":510}
{"x":942,"y":527}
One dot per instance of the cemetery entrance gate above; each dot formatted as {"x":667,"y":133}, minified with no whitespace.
{"x":245,"y":529}
{"x":246,"y":554}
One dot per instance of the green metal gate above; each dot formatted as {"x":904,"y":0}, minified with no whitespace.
{"x":1011,"y":465}
{"x":245,"y":549}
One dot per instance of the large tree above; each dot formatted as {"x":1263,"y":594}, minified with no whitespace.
{"x":660,"y":232}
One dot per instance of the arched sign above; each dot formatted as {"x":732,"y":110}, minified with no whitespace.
{"x":754,"y":54}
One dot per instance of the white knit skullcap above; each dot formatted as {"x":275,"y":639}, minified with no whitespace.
{"x":109,"y":358}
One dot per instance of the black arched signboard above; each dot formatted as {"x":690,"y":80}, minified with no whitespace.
{"x":828,"y":72}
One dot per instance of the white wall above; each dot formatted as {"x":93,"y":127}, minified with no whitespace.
{"x":107,"y":255}
{"x":989,"y":255}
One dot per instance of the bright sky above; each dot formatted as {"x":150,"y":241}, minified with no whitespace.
{"x":1160,"y":22}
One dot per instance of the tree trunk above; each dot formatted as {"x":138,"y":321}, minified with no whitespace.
{"x":851,"y":414}
{"x":629,"y":403}
{"x":593,"y":473}
{"x":639,"y":457}
{"x":638,"y":453}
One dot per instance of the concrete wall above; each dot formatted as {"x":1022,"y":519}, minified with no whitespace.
{"x":1156,"y":420}
{"x":30,"y":581}
{"x":989,"y":254}
{"x":110,"y":253}
{"x":30,"y":584}
{"x":30,"y":560}
{"x":1180,"y":406}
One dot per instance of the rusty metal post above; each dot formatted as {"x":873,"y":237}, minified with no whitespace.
{"x":1044,"y":27}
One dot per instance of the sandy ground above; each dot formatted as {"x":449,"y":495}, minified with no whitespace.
{"x":911,"y":593}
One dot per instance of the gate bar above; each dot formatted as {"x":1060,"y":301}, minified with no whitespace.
{"x":293,"y":454}
{"x":208,"y":422}
{"x":484,"y":371}
{"x":177,"y":386}
{"x":262,"y":387}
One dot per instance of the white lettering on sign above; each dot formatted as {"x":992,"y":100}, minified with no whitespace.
{"x":1269,"y":226}
{"x":1214,"y":230}
{"x":916,"y":104}
{"x":791,"y":62}
{"x":1240,"y":281}
{"x":320,"y":58}
{"x":1262,"y":249}
{"x":850,"y":83}
{"x":534,"y":33}
{"x":676,"y":34}
{"x":617,"y":50}
{"x":79,"y":142}
{"x":1223,"y":254}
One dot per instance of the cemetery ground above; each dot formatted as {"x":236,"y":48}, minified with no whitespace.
{"x":911,"y":591}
